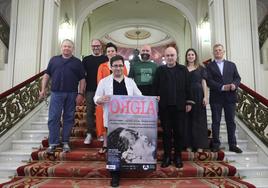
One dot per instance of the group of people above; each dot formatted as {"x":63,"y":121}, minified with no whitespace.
{"x":181,"y":90}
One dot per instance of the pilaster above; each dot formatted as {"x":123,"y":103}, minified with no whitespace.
{"x":50,"y":32}
{"x":28,"y":40}
{"x":239,"y":38}
{"x":234,"y":29}
{"x":216,"y":16}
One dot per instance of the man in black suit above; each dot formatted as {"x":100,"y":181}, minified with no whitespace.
{"x":172,"y":86}
{"x":223,"y":81}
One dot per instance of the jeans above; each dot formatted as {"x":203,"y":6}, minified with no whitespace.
{"x":90,"y":111}
{"x":61,"y":104}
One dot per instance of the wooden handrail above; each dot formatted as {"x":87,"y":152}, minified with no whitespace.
{"x":254,"y":94}
{"x":17,"y":87}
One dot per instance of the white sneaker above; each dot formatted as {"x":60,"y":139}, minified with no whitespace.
{"x":88,"y":139}
{"x":66,"y":148}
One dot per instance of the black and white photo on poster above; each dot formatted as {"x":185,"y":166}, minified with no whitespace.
{"x":132,"y":133}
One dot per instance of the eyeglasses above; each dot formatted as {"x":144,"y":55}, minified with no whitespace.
{"x":118,"y":66}
{"x":95,"y":46}
{"x":170,"y":55}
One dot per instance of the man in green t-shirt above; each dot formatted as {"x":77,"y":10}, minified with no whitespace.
{"x":143,"y":72}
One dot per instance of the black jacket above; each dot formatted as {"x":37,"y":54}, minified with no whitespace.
{"x":182,"y":85}
{"x":216,"y":81}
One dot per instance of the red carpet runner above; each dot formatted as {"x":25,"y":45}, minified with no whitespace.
{"x":85,"y":167}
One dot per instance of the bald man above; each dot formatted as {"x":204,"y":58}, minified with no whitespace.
{"x":172,"y":86}
{"x":143,"y":72}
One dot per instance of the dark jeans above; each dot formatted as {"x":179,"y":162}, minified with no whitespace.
{"x":90,"y":111}
{"x":61,"y":104}
{"x":229,"y":113}
{"x":172,"y":122}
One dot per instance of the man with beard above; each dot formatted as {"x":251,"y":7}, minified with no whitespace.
{"x":143,"y":72}
{"x":91,"y":64}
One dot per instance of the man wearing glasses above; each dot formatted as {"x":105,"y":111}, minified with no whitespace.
{"x":91,"y":64}
{"x":115,"y":84}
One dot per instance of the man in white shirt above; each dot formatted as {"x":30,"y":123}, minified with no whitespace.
{"x":115,"y":84}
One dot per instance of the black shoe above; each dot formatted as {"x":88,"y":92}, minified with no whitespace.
{"x":115,"y":179}
{"x":235,"y":149}
{"x":166,"y":162}
{"x":177,"y":161}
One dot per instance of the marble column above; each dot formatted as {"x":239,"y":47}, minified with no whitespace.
{"x":50,"y":42}
{"x":28,"y":40}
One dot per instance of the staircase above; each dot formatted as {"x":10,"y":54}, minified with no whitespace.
{"x":87,"y":167}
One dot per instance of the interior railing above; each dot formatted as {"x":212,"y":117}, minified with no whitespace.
{"x":252,"y":109}
{"x":18,"y":101}
{"x":4,"y":31}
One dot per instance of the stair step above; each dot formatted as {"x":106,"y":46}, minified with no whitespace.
{"x":40,"y":125}
{"x":258,"y":182}
{"x":91,"y":154}
{"x":8,"y":169}
{"x":3,"y":180}
{"x":240,"y":143}
{"x":15,"y":155}
{"x":95,"y":169}
{"x":43,"y":118}
{"x":34,"y":134}
{"x":224,"y":135}
{"x":130,"y":183}
{"x":252,"y":170}
{"x":25,"y":144}
{"x":246,"y":156}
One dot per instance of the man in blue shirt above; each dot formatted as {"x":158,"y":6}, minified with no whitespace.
{"x":66,"y":73}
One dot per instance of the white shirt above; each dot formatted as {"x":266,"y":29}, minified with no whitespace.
{"x":105,"y":87}
{"x":220,"y":64}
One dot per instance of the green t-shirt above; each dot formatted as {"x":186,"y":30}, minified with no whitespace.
{"x":143,"y":72}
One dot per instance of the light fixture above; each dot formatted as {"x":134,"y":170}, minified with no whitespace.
{"x":66,"y":29}
{"x":137,"y":33}
{"x":204,"y":30}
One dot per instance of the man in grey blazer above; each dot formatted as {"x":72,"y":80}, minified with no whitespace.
{"x":223,"y":81}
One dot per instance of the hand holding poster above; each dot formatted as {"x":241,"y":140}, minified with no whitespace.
{"x":132,"y":133}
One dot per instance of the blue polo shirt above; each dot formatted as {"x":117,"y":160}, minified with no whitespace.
{"x":65,"y":74}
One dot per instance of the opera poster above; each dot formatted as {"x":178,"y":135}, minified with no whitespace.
{"x":132,"y":133}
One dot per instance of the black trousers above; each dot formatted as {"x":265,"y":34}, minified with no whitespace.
{"x":229,"y":113}
{"x":146,"y":90}
{"x":173,"y":123}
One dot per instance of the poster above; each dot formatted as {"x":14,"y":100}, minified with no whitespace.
{"x":132,"y":133}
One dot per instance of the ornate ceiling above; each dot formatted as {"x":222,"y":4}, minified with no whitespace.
{"x":137,"y":36}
